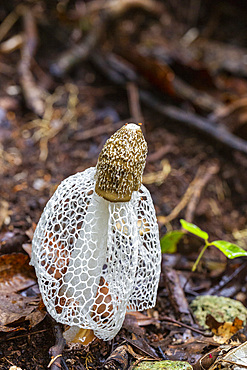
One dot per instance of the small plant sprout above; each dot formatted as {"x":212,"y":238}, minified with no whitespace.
{"x":96,"y":247}
{"x":169,"y":243}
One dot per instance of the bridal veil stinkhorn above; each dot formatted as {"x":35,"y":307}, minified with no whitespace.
{"x":96,"y":247}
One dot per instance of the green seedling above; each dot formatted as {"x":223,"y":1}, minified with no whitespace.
{"x":170,"y":240}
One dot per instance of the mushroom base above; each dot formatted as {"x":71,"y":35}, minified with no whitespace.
{"x":74,"y":334}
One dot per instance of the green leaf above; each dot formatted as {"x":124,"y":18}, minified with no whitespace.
{"x":193,"y":229}
{"x":169,"y":241}
{"x":230,"y":250}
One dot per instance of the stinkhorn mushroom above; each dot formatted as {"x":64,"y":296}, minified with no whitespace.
{"x":96,"y":247}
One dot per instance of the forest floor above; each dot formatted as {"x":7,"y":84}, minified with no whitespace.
{"x":57,"y":113}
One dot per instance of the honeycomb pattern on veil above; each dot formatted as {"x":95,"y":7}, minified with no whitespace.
{"x":95,"y":259}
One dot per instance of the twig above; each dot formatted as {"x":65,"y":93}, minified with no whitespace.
{"x":10,"y":20}
{"x":177,"y":323}
{"x":161,"y":75}
{"x":203,"y":125}
{"x":158,"y":177}
{"x":134,"y":104}
{"x":32,"y":94}
{"x":218,"y":132}
{"x":47,"y":127}
{"x":198,"y":188}
{"x":107,"y":11}
{"x":162,"y":353}
{"x":222,"y":360}
{"x":13,"y":43}
{"x":160,"y":153}
{"x":186,"y":197}
{"x":79,"y":52}
{"x":226,"y":280}
{"x":118,"y":8}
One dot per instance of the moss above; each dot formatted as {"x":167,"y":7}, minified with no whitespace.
{"x":221,"y":308}
{"x":163,"y":365}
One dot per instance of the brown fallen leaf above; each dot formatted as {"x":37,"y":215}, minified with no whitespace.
{"x":14,"y":307}
{"x":140,"y":319}
{"x":15,"y":273}
{"x":223,"y":330}
{"x":133,"y":321}
{"x":119,"y":358}
{"x":11,"y":241}
{"x":36,"y":316}
{"x":142,"y":346}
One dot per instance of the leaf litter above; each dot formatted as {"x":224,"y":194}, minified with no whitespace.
{"x":201,"y":94}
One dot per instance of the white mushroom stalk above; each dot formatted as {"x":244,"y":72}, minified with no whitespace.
{"x":96,"y":247}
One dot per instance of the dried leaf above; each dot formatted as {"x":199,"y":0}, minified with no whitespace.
{"x":119,"y":359}
{"x":133,"y":321}
{"x":236,"y":358}
{"x":27,"y":248}
{"x":14,"y":307}
{"x":36,"y":317}
{"x":15,"y":273}
{"x":223,"y":331}
{"x":142,"y":346}
{"x":140,"y":319}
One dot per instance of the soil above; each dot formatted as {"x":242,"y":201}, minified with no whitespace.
{"x":36,"y":156}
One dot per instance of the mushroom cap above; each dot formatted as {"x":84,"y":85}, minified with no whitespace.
{"x":95,"y":259}
{"x":121,"y":163}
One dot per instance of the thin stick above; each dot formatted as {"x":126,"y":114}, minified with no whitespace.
{"x":199,"y":186}
{"x":32,"y":93}
{"x":175,"y":322}
{"x":203,"y":125}
{"x":10,"y":20}
{"x":108,"y":64}
{"x":134,"y":103}
{"x":186,"y":197}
